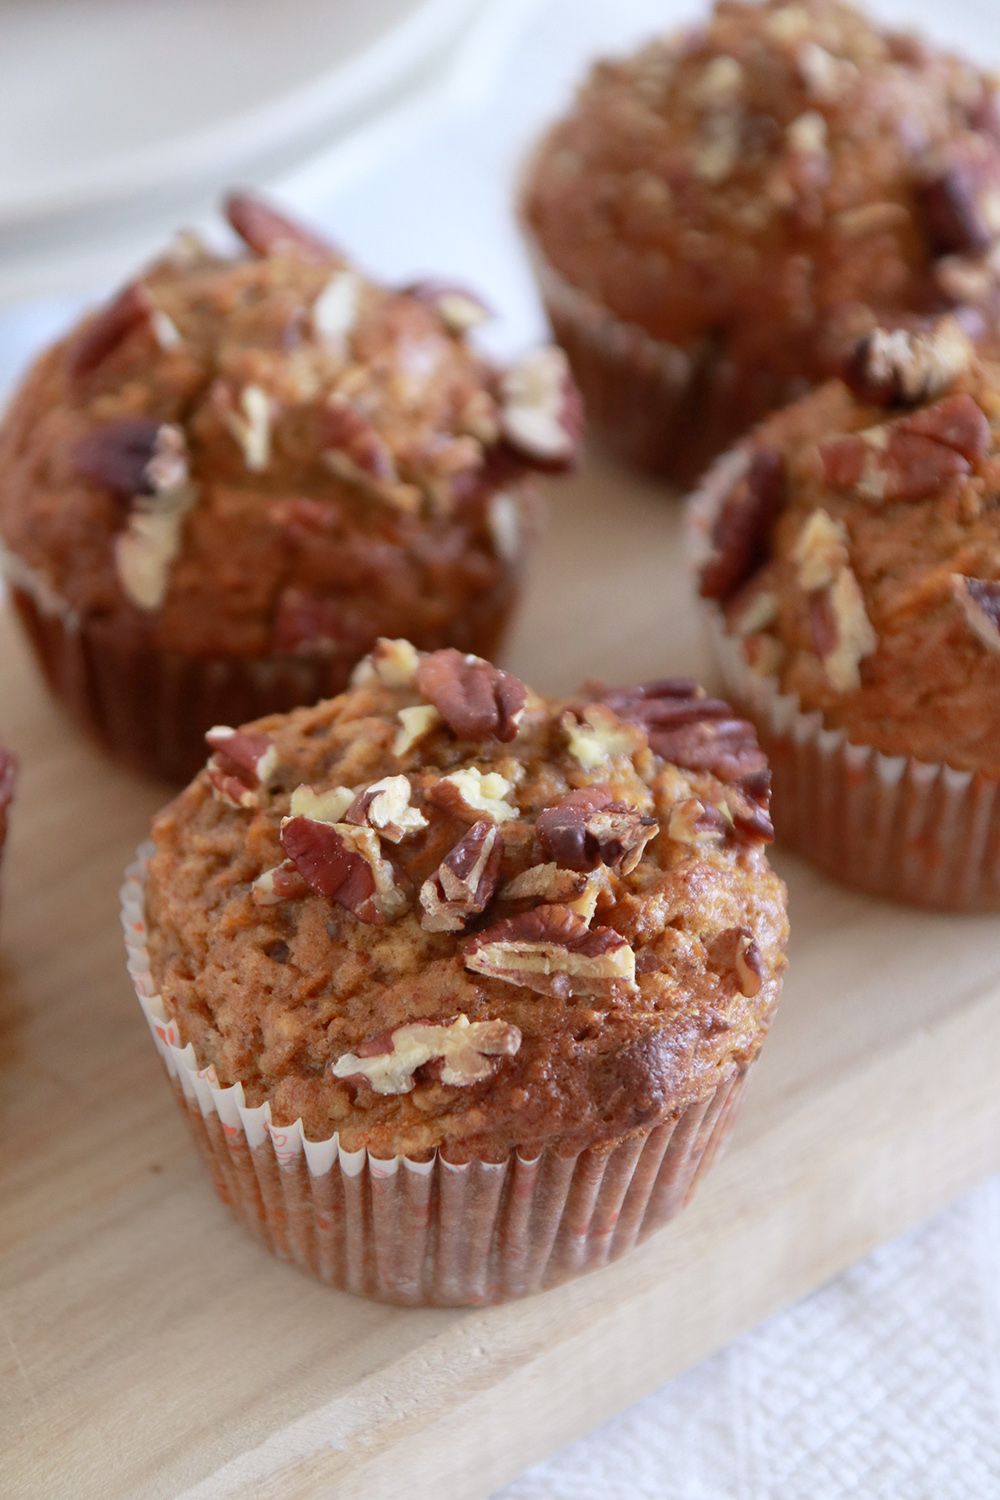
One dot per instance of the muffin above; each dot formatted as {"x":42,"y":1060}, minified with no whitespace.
{"x":851,"y":564}
{"x":720,"y":215}
{"x":223,"y":486}
{"x":459,"y":987}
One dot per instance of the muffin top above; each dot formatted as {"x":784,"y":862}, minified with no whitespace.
{"x":855,"y":548}
{"x":233,"y":442}
{"x":440,"y":910}
{"x":771,"y":180}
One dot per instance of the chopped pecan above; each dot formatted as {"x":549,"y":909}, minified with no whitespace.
{"x":267,"y":231}
{"x":979,"y":601}
{"x":755,"y":610}
{"x":336,"y":310}
{"x":913,"y":458}
{"x":596,"y":735}
{"x":546,"y":883}
{"x":392,"y":662}
{"x":242,"y":762}
{"x":283,"y":883}
{"x":957,"y":201}
{"x":552,"y":951}
{"x":689,"y":729}
{"x":415,"y":724}
{"x":541,"y":412}
{"x":695,"y":822}
{"x":842,"y":633}
{"x":463,"y":884}
{"x":958,"y":423}
{"x":325,"y":807}
{"x":461,"y":1052}
{"x":588,"y":827}
{"x":470,"y":790}
{"x":102,"y":334}
{"x":904,"y":367}
{"x":133,"y":456}
{"x":343,"y":863}
{"x":743,"y":523}
{"x":385,"y":806}
{"x":820,"y":550}
{"x":353,"y":449}
{"x":734,"y":951}
{"x":459,"y":310}
{"x":475,"y":698}
{"x":248,"y":419}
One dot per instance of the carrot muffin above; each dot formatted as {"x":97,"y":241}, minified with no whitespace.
{"x":853,"y":561}
{"x":224,"y":485}
{"x":457,"y":936}
{"x":720,"y":213}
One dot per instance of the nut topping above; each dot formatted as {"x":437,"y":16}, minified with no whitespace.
{"x":132,"y":308}
{"x":979,"y":601}
{"x":541,"y":413}
{"x":133,"y":456}
{"x":552,"y":951}
{"x":695,"y":822}
{"x":353,"y":449}
{"x":587,"y":828}
{"x":820,"y":550}
{"x":842,"y":632}
{"x":393,"y":663}
{"x":267,"y":231}
{"x":547,"y":883}
{"x":343,"y":863}
{"x":242,"y":762}
{"x":385,"y":806}
{"x":470,"y":790}
{"x":415,"y":724}
{"x":475,"y":698}
{"x":463,"y":884}
{"x":734,"y":951}
{"x":463,"y":1053}
{"x":912,"y":459}
{"x":743,"y":522}
{"x":957,"y":202}
{"x":335,"y":311}
{"x":323,"y":807}
{"x":459,"y":310}
{"x":283,"y":883}
{"x":249,"y":422}
{"x":900,"y":367}
{"x":689,"y":729}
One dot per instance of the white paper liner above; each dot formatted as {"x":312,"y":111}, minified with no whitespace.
{"x":917,"y":831}
{"x":425,"y":1233}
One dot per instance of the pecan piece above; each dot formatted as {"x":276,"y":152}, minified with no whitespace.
{"x":267,"y":231}
{"x":734,"y":951}
{"x":979,"y":601}
{"x":242,"y":762}
{"x":336,"y":310}
{"x":743,"y":522}
{"x":587,"y":828}
{"x":343,"y":863}
{"x":133,"y":456}
{"x":596,"y":735}
{"x":102,"y":334}
{"x":459,"y":310}
{"x":903,"y":367}
{"x":470,"y":790}
{"x":463,"y":884}
{"x":415,"y":724}
{"x":354,"y":451}
{"x":552,"y":951}
{"x":958,"y":423}
{"x":282,"y":883}
{"x":689,"y":729}
{"x":461,"y":1053}
{"x":955,"y":201}
{"x":842,"y":633}
{"x":475,"y":698}
{"x":247,"y":418}
{"x":385,"y":806}
{"x":695,"y":822}
{"x":541,"y":411}
{"x":392,"y":662}
{"x":546,"y":883}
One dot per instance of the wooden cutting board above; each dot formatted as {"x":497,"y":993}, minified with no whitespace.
{"x":150,"y":1349}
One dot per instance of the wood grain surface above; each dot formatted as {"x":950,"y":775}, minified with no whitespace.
{"x":150,"y":1349}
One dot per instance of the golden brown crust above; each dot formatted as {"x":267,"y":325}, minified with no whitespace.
{"x":871,"y":589}
{"x":271,"y":453}
{"x":655,"y":873}
{"x":756,"y":191}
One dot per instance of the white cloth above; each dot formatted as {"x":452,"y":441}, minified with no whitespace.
{"x":884,"y":1385}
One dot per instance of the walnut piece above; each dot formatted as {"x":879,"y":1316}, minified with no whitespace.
{"x":267,"y":231}
{"x":343,"y":863}
{"x":461,"y":1051}
{"x":734,"y":951}
{"x":553,"y":951}
{"x":471,"y":791}
{"x":903,"y":367}
{"x":541,"y":414}
{"x":391,"y":662}
{"x":979,"y":601}
{"x":463,"y":884}
{"x":476,"y":699}
{"x":588,"y":827}
{"x":385,"y":806}
{"x":743,"y":521}
{"x":241,"y":764}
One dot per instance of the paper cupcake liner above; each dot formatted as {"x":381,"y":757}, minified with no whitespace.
{"x":151,"y":707}
{"x":434,"y":1232}
{"x":911,"y":830}
{"x":660,"y":407}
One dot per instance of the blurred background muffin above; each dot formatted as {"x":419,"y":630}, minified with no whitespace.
{"x":224,"y":485}
{"x":851,"y":566}
{"x":719,"y":215}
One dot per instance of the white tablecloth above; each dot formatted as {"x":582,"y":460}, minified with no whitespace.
{"x":885,"y":1385}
